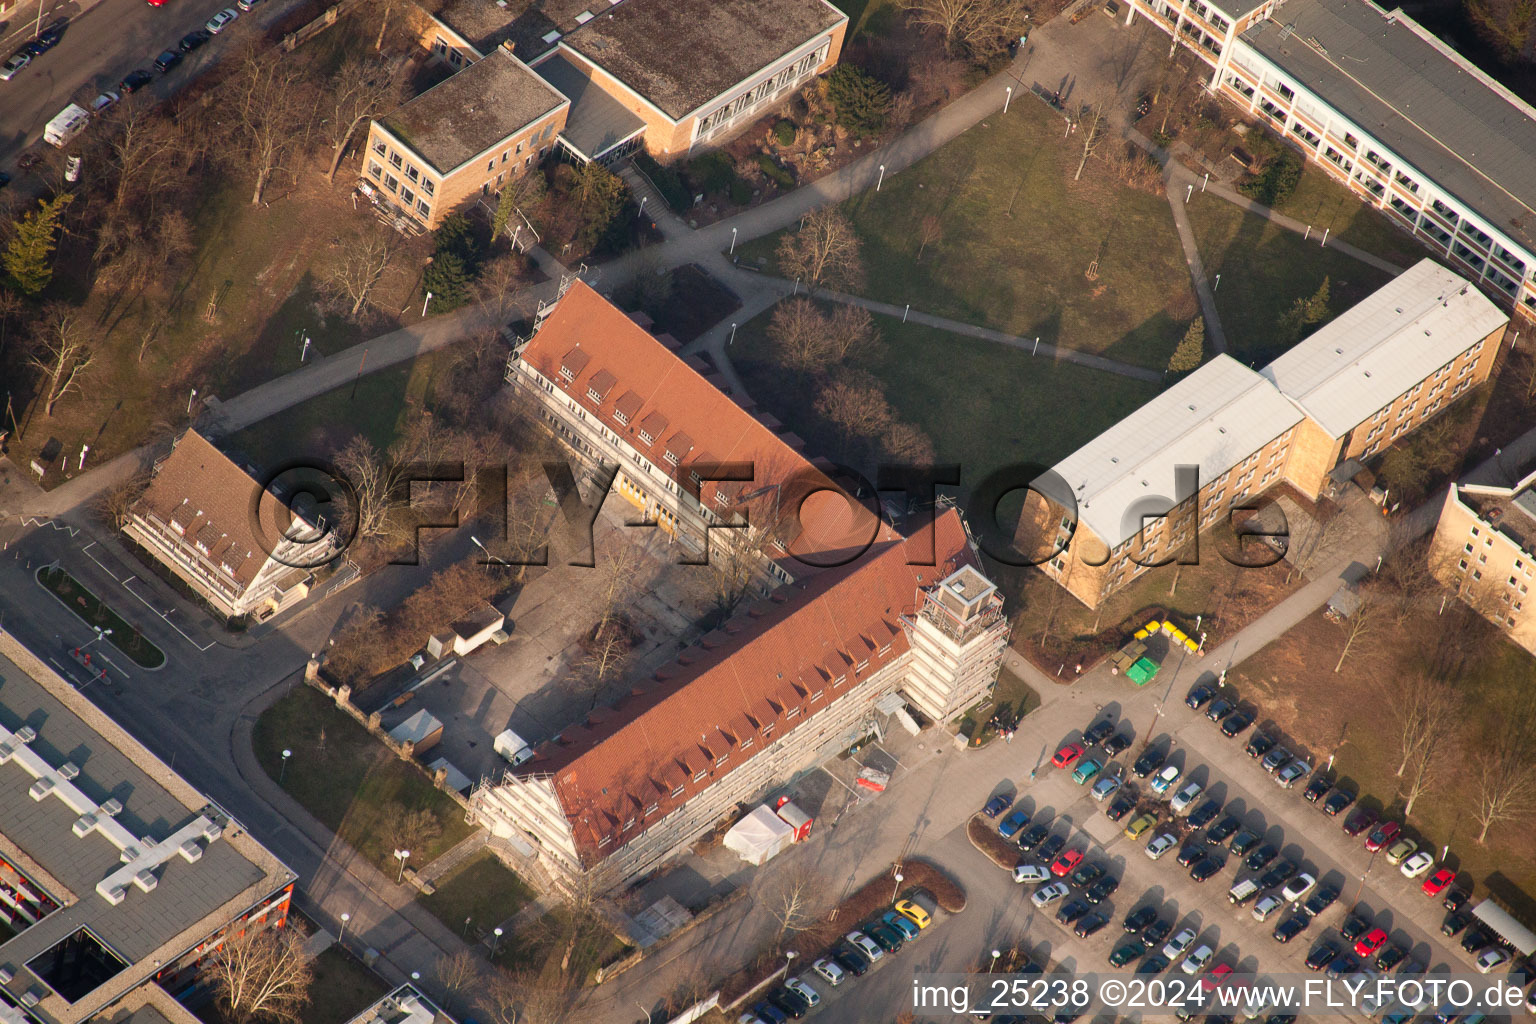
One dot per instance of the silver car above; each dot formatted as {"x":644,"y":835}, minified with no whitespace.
{"x":829,"y":971}
{"x":11,"y":68}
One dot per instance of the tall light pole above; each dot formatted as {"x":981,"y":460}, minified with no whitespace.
{"x":642,"y":205}
{"x":402,"y":856}
{"x":424,"y":304}
{"x":898,"y":876}
{"x":495,"y":558}
{"x":342,"y":937}
{"x":733,"y":243}
{"x":495,"y":940}
{"x":304,"y":352}
{"x":1007,"y":97}
{"x":1217,"y":285}
{"x":789,"y":961}
{"x":283,"y":771}
{"x":189,"y":401}
{"x":880,"y":180}
{"x":733,"y":335}
{"x":995,"y":954}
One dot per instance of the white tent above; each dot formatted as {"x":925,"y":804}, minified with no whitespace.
{"x":759,"y":836}
{"x":1505,"y":926}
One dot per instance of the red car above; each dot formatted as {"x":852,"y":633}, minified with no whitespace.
{"x":1384,"y":834}
{"x":1067,"y":754}
{"x":1066,"y":862}
{"x":1370,"y":944}
{"x":1436,"y":883}
{"x":157,"y":3}
{"x":1215,"y":976}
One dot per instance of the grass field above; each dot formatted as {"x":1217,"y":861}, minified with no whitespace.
{"x":1018,"y":239}
{"x":984,"y":405}
{"x":1350,"y":715}
{"x":347,"y":779}
{"x":540,"y":947}
{"x":91,"y":610}
{"x":1264,"y":269}
{"x":1325,"y":204}
{"x":483,"y":892}
{"x":343,"y":988}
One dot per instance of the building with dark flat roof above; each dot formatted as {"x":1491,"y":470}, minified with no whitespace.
{"x":114,"y":872}
{"x":463,"y":137}
{"x":1381,"y":104}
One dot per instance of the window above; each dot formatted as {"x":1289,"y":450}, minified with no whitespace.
{"x":817,"y":695}
{"x":698,"y":776}
{"x":677,"y":792}
{"x":428,"y":187}
{"x":374,"y":169}
{"x":792,"y":713}
{"x":619,"y":415}
{"x":407,"y":195}
{"x":412,"y":173}
{"x":647,"y":438}
{"x":394,"y":160}
{"x":378,"y":147}
{"x":423,"y":208}
{"x":490,"y":165}
{"x":391,"y":182}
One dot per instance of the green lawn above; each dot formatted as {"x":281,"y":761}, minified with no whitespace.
{"x":541,"y":946}
{"x":343,"y":988}
{"x":346,"y":778}
{"x":379,"y":408}
{"x":1321,"y":201}
{"x":984,"y":405}
{"x":484,"y":891}
{"x":1264,"y":269}
{"x":91,"y":610}
{"x":1018,"y":240}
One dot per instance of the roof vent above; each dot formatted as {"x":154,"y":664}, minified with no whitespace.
{"x":1339,"y":351}
{"x":6,"y":975}
{"x":26,"y":734}
{"x":112,"y":808}
{"x":68,"y":770}
{"x":29,"y":999}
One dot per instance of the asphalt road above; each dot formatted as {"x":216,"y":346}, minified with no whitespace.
{"x":104,"y":40}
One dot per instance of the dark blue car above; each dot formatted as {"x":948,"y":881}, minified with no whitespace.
{"x":997,"y":805}
{"x":1012,"y":823}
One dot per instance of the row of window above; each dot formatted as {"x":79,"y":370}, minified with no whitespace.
{"x":412,"y":202}
{"x":728,"y":112}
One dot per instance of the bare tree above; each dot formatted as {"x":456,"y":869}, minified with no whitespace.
{"x":260,"y":974}
{"x":410,"y":829}
{"x":266,"y":99}
{"x":456,"y":971}
{"x":61,"y":354}
{"x":929,"y":230}
{"x":115,"y":504}
{"x":603,"y":657}
{"x":141,"y":143}
{"x":791,"y":899}
{"x":825,"y":251}
{"x":360,"y":89}
{"x":906,"y":442}
{"x":855,"y":405}
{"x":525,"y":998}
{"x":1425,"y":706}
{"x":802,"y":331}
{"x":979,"y":26}
{"x":850,"y":329}
{"x":360,"y":263}
{"x":1089,"y":125}
{"x":1504,"y":767}
{"x":1358,"y":627}
{"x":376,"y":483}
{"x":498,"y":288}
{"x":1304,"y":552}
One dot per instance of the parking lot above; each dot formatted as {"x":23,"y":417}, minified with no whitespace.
{"x":1297,"y":830}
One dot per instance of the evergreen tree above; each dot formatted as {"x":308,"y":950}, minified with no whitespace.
{"x":448,"y":281}
{"x":503,"y":213}
{"x":28,"y":259}
{"x":862,"y":101}
{"x":1297,"y":322}
{"x":1191,"y":349}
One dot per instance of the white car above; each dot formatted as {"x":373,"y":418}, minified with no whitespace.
{"x":1267,"y":905}
{"x":221,"y":21}
{"x":1184,"y":800}
{"x":1491,"y":958}
{"x":1048,"y":894}
{"x":866,"y":945}
{"x":1416,"y":865}
{"x":1164,"y":780}
{"x":1179,"y":943}
{"x":801,"y":988}
{"x":1196,"y":961}
{"x":829,"y":972}
{"x":12,"y":67}
{"x":1161,"y":844}
{"x":750,"y":1018}
{"x":1298,"y":887}
{"x":104,"y":101}
{"x":1031,"y":873}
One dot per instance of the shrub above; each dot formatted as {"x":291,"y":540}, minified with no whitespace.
{"x":741,"y":192}
{"x":1276,"y":182}
{"x":775,"y":173}
{"x":667,"y":181}
{"x":784,"y":133}
{"x":711,"y":172}
{"x":862,"y":101}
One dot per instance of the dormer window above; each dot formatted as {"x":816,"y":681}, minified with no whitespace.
{"x":201,"y":546}
{"x":652,"y":809}
{"x":698,"y":776}
{"x":646,"y":437}
{"x":629,"y":824}
{"x":567,"y":374}
{"x":793,"y":712}
{"x":670,"y":457}
{"x":592,"y":393}
{"x":677,"y":792}
{"x":720,"y":761}
{"x":178,"y":527}
{"x":619,"y":415}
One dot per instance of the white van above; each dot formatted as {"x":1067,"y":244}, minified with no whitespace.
{"x":66,"y":125}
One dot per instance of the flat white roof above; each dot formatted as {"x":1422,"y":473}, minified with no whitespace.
{"x":1214,"y":418}
{"x":1383,"y":345}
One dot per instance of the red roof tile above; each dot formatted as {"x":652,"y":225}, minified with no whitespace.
{"x":774,"y":665}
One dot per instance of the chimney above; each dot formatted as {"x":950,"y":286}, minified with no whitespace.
{"x":507,"y":44}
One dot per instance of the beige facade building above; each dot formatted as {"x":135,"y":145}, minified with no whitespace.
{"x":1484,"y":549}
{"x":212,"y":525}
{"x":462,"y":138}
{"x":1139,"y":493}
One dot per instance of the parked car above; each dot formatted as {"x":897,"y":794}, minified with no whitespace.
{"x":1322,"y":955}
{"x":1072,"y":910}
{"x":1067,"y":755}
{"x":1066,"y":862}
{"x":1321,"y":900}
{"x":1259,"y":744}
{"x":1337,"y":801}
{"x":1031,"y":873}
{"x":802,"y":988}
{"x":1298,"y":887}
{"x":1087,"y":770}
{"x":1383,"y":834}
{"x":1436,"y":883}
{"x":1401,"y":850}
{"x":1098,"y":732}
{"x":1154,"y":964}
{"x":1148,"y":763}
{"x":789,"y":1002}
{"x":1119,"y":807}
{"x":246,"y":5}
{"x":1390,"y":957}
{"x":1200,"y":696}
{"x":167,"y":60}
{"x":887,"y":938}
{"x":1190,"y":852}
{"x":1106,"y":787}
{"x":1180,"y":943}
{"x":1140,"y":825}
{"x":14,"y":65}
{"x":1243,"y":842}
{"x":1317,"y":788}
{"x":1361,"y":820}
{"x":1417,"y":864}
{"x":1157,"y":931}
{"x":997,"y":805}
{"x":912,"y":912}
{"x":1051,"y":847}
{"x":1126,"y":952}
{"x":1184,"y":800}
{"x":192,"y":40}
{"x":1205,"y":868}
{"x":1292,"y":773}
{"x":1137,"y":920}
{"x":1291,"y":927}
{"x":908,"y":929}
{"x":1236,"y":723}
{"x":1354,"y":926}
{"x":1012,"y":823}
{"x":1259,"y":859}
{"x":1455,"y":923}
{"x":1267,"y":905}
{"x":219,"y":22}
{"x":850,"y":960}
{"x":1161,"y":844}
{"x":1086,"y":874}
{"x":1276,"y":758}
{"x":135,"y":80}
{"x":1102,"y":889}
{"x":1491,"y":959}
{"x":1090,"y":925}
{"x":1197,"y":960}
{"x":768,"y":1013}
{"x":1117,"y":744}
{"x":1034,"y":835}
{"x":1204,"y":814}
{"x":829,"y":972}
{"x":1219,"y":709}
{"x":1279,"y":872}
{"x":1371,"y":942}
{"x":1455,"y":898}
{"x":1048,"y":894}
{"x":1476,"y":938}
{"x":1165,"y":779}
{"x":47,"y":39}
{"x":864,"y":944}
{"x":1224,"y":829}
{"x":103,"y":101}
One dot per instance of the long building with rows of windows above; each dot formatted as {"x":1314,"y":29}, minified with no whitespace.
{"x":1140,"y":492}
{"x":1412,"y":127}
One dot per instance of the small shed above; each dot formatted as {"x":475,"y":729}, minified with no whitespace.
{"x":759,"y":836}
{"x":468,"y":633}
{"x":457,"y":780}
{"x":795,"y":818}
{"x":1506,"y":927}
{"x":1344,"y":602}
{"x":422,"y":729}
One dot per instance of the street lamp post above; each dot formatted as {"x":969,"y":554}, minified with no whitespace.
{"x":495,"y":940}
{"x":495,"y":558}
{"x":402,"y":856}
{"x":898,"y":876}
{"x":789,"y":961}
{"x":995,"y":954}
{"x":733,"y":243}
{"x":642,"y":205}
{"x":1007,"y":97}
{"x":342,"y":937}
{"x":424,"y":304}
{"x":880,"y":180}
{"x":190,"y":398}
{"x":733,"y":335}
{"x":283,"y":772}
{"x":1217,"y":285}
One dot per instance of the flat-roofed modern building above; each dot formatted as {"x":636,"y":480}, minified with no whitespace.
{"x":465,"y":136}
{"x":405,"y":1005}
{"x":1412,"y":127}
{"x":114,"y":872}
{"x":1348,"y":391}
{"x":696,"y":71}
